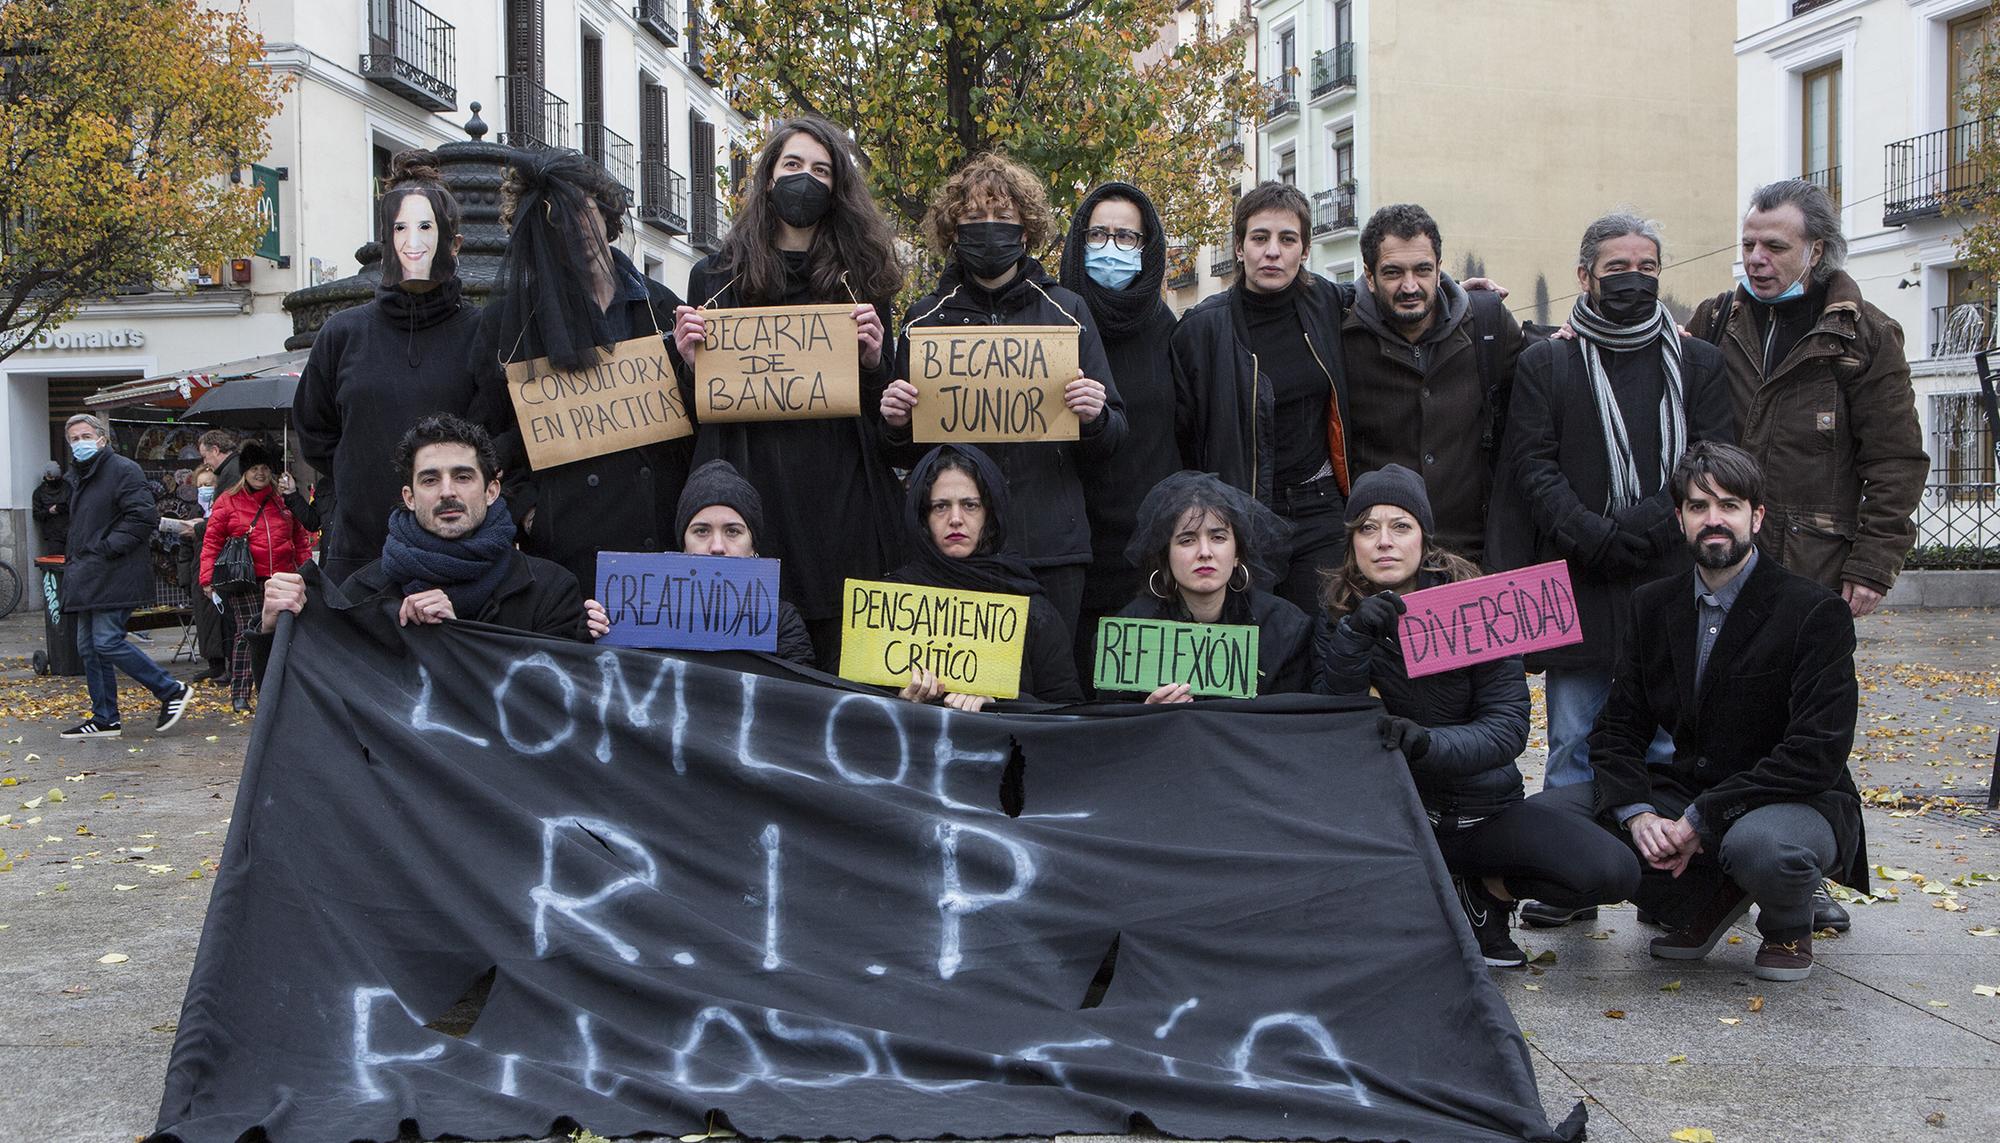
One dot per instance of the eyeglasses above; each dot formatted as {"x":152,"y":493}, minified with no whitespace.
{"x":943,"y":507}
{"x":1097,"y":236}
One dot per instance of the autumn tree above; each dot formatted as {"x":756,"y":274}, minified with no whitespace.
{"x":1966,"y":181}
{"x":1083,"y":91}
{"x":120,"y":122}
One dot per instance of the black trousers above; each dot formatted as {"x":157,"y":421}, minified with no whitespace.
{"x":1319,"y":541}
{"x":1064,"y":587}
{"x":1545,"y":848}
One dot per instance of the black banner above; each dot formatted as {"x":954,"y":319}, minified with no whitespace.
{"x":647,"y":889}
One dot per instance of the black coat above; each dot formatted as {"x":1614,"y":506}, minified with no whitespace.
{"x":51,"y":509}
{"x":1477,"y":716}
{"x":1286,"y":658}
{"x":832,"y":507}
{"x":112,"y":518}
{"x":622,"y":501}
{"x":1048,"y":661}
{"x":374,"y":371}
{"x":795,"y":643}
{"x":1113,"y":487}
{"x":1550,"y":496}
{"x":1224,"y":404}
{"x":1047,"y":522}
{"x":1773,"y":719}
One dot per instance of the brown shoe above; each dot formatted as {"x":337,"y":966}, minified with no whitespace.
{"x":1708,"y":927}
{"x":1784,"y":960}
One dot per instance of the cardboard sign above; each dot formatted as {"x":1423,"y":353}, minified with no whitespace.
{"x":689,"y":603}
{"x":778,"y":363}
{"x":1492,"y":617}
{"x":630,"y":398}
{"x":992,"y":383}
{"x":1146,"y":654}
{"x":971,"y":640}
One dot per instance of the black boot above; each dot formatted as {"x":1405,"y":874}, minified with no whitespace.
{"x":1829,"y":913}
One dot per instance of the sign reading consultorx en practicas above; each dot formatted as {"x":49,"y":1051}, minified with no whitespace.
{"x":631,"y":397}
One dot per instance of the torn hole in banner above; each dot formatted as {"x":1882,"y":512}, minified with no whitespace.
{"x":1101,"y":983}
{"x":1012,"y":795}
{"x":718,"y":1128}
{"x":458,"y":1019}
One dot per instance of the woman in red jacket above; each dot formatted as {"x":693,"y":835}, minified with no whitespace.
{"x":278,"y":543}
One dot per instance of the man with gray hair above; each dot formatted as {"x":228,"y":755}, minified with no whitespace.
{"x":1822,"y":398}
{"x":107,"y":572}
{"x":1596,"y":424}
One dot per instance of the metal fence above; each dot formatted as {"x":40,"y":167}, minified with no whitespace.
{"x":1958,"y":518}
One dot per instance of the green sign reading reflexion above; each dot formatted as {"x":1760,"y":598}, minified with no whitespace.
{"x":1145,"y":654}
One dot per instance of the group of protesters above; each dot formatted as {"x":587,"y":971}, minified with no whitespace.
{"x":1292,"y":454}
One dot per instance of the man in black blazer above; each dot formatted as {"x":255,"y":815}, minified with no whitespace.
{"x":1752,"y":668}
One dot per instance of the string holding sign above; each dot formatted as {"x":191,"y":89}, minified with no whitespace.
{"x":776,"y":363}
{"x":971,"y":640}
{"x":993,"y":383}
{"x":631,"y":397}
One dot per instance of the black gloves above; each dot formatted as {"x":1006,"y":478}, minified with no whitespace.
{"x":1402,"y":734}
{"x":1376,"y":615}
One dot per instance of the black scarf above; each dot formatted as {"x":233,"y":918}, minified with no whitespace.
{"x":1119,"y":313}
{"x":999,"y":570}
{"x":469,"y":570}
{"x":410,"y":310}
{"x":1235,"y":607}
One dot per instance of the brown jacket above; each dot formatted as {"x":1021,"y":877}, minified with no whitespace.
{"x":1835,"y":427}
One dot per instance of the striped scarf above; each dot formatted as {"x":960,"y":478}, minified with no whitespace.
{"x":1597,"y":334}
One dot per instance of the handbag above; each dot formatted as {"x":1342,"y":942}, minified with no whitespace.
{"x":235,"y":571}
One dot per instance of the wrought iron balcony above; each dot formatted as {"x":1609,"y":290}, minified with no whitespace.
{"x":1281,"y":97}
{"x":410,"y":52}
{"x":710,"y":224}
{"x":663,"y":197}
{"x":1964,"y":329}
{"x":656,"y":16}
{"x":1827,"y":180}
{"x":1223,"y":262}
{"x":1230,"y":149}
{"x":1180,"y":266}
{"x":1333,"y":70}
{"x":536,"y":117}
{"x":1929,"y":172}
{"x":612,"y":151}
{"x":1801,"y":7}
{"x":1333,"y":210}
{"x":698,"y":32}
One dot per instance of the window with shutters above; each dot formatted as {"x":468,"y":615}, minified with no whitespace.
{"x":703,"y":205}
{"x":535,"y":118}
{"x":662,"y":192}
{"x":593,"y":94}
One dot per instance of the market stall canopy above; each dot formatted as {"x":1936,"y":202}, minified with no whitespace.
{"x":182,"y":389}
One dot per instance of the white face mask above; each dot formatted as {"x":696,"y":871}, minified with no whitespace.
{"x":205,"y":495}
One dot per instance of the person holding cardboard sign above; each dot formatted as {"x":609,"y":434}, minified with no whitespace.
{"x":809,"y":233}
{"x":583,"y":334}
{"x":720,"y":514}
{"x":984,"y":221}
{"x":1198,"y":543}
{"x":1460,"y":731}
{"x":956,"y":514}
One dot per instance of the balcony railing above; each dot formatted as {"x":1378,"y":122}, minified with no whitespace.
{"x":1230,"y":149}
{"x":1827,"y":180}
{"x":1222,"y":263}
{"x":1333,"y":69}
{"x":410,"y":53}
{"x":536,"y":117}
{"x":612,"y":151}
{"x":709,"y":224}
{"x":1930,"y":172}
{"x":698,"y":32}
{"x":1281,"y":97}
{"x":656,"y":16}
{"x":1801,"y":7}
{"x":1963,"y":329}
{"x":1333,"y":210}
{"x":1180,"y":266}
{"x":663,"y":197}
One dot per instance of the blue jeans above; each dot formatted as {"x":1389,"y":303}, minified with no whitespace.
{"x":1575,"y":698}
{"x":100,"y":639}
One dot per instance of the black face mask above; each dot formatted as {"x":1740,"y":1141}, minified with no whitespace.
{"x":990,"y":249}
{"x":1630,"y":298}
{"x":801,"y":200}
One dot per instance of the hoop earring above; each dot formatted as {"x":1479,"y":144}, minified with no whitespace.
{"x":1246,"y":577}
{"x":1153,"y":586}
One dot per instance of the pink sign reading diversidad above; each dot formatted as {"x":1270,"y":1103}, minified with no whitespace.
{"x":1492,"y":617}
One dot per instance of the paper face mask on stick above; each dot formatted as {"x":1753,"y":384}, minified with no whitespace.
{"x":415,"y":236}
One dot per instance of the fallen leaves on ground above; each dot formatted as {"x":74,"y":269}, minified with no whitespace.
{"x":113,"y":958}
{"x":1614,"y":1013}
{"x":1694,"y":1135}
{"x":1756,"y":1004}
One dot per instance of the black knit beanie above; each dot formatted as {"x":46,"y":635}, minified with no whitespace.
{"x":1391,"y":484}
{"x":718,"y":482}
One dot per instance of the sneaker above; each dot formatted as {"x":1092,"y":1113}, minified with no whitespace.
{"x":1490,"y":919}
{"x":140,"y":636}
{"x":1542,"y":915}
{"x":1828,"y":913}
{"x":1784,"y":960}
{"x":173,"y":707}
{"x":91,"y":728}
{"x":1695,"y":941}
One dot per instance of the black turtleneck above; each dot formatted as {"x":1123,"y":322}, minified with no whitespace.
{"x":1301,"y":385}
{"x":1784,"y":325}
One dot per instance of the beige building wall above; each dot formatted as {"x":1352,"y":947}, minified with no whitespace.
{"x":1516,"y":124}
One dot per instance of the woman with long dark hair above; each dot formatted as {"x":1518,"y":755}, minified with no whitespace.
{"x":956,"y":516}
{"x":1460,"y":731}
{"x":567,"y":294}
{"x":377,"y":368}
{"x":808,"y":233}
{"x":1198,"y":544}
